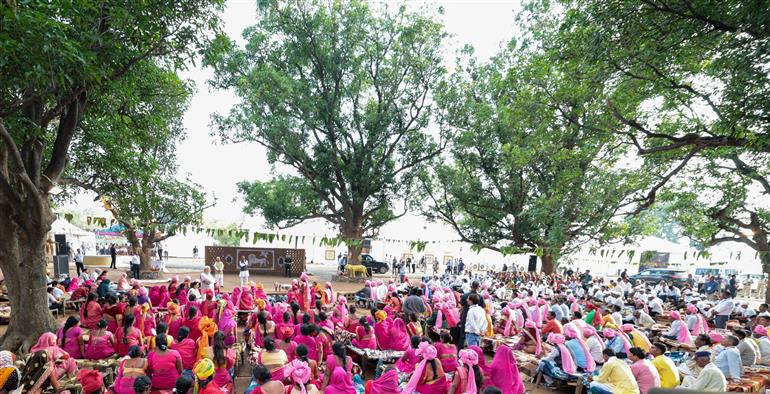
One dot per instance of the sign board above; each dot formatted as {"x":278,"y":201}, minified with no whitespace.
{"x":262,"y":261}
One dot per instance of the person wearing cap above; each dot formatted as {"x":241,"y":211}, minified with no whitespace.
{"x":641,"y":318}
{"x":729,"y":359}
{"x":710,"y":377}
{"x":655,"y":305}
{"x":91,"y":381}
{"x":204,"y":377}
{"x":763,"y":342}
{"x":615,"y":377}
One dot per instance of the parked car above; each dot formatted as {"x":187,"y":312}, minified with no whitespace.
{"x":374,"y":266}
{"x":655,"y":275}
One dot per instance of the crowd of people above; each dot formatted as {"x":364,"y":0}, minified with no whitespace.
{"x":611,"y":334}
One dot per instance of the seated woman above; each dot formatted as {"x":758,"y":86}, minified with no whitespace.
{"x":287,"y":344}
{"x":338,"y":358}
{"x":302,"y":353}
{"x":408,"y":362}
{"x":101,"y":343}
{"x":228,"y":326}
{"x":638,"y":338}
{"x":186,"y":348}
{"x":70,"y":338}
{"x":262,"y":329}
{"x":204,"y":347}
{"x":273,"y":358}
{"x":428,"y":377}
{"x":91,"y":312}
{"x":285,"y":327}
{"x":129,"y":370}
{"x":263,"y":383}
{"x":224,"y":360}
{"x":398,"y":337}
{"x":173,"y":319}
{"x":163,"y":364}
{"x":48,"y":364}
{"x":387,"y":383}
{"x":352,"y":320}
{"x":382,"y":327}
{"x":340,"y":383}
{"x":468,"y":378}
{"x":307,"y":339}
{"x":559,"y":364}
{"x":127,"y":336}
{"x":503,"y":371}
{"x":447,"y":352}
{"x":414,"y":328}
{"x":530,"y":339}
{"x":113,"y":312}
{"x":365,"y":338}
{"x":299,"y":373}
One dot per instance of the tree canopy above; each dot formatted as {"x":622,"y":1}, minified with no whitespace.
{"x":340,"y":94}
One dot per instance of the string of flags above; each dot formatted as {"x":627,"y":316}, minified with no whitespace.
{"x":254,"y":236}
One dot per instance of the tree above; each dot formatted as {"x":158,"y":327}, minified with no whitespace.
{"x":56,"y":56}
{"x":690,"y":87}
{"x":127,"y":155}
{"x":524,"y":176}
{"x":339,"y":94}
{"x":228,"y":235}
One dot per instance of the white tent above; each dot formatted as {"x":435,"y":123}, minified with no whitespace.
{"x":75,"y":235}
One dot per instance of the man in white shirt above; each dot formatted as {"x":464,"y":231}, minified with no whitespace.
{"x":655,"y":305}
{"x":475,"y":322}
{"x":207,"y":280}
{"x":135,"y":266}
{"x":723,"y":310}
{"x":710,"y":377}
{"x":745,"y":311}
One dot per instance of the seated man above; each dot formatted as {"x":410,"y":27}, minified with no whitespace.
{"x":710,"y":377}
{"x":729,"y":359}
{"x":615,"y":377}
{"x":559,"y":365}
{"x":669,"y":375}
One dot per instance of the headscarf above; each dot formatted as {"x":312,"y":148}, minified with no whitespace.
{"x":90,"y":379}
{"x":629,"y":328}
{"x":469,"y":358}
{"x":342,"y":306}
{"x":571,"y":331}
{"x":208,"y":329}
{"x":340,"y":383}
{"x":308,"y":296}
{"x":226,"y":321}
{"x":760,"y":330}
{"x":504,"y":372}
{"x":716,"y":337}
{"x":46,"y":342}
{"x":399,"y":336}
{"x":299,"y":372}
{"x":380,"y":315}
{"x":74,"y":284}
{"x":610,"y":333}
{"x":701,"y":326}
{"x":482,"y":360}
{"x":202,"y":370}
{"x":567,"y":363}
{"x":591,"y":331}
{"x":538,"y":344}
{"x":173,"y":310}
{"x":684,"y":334}
{"x":574,"y":306}
{"x":428,"y":353}
{"x":387,"y":383}
{"x":236,"y":296}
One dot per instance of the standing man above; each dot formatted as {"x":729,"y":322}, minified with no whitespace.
{"x":586,"y":279}
{"x":287,"y":265}
{"x":723,"y":310}
{"x":732,"y":286}
{"x":113,"y":257}
{"x":435,"y":266}
{"x":475,"y":322}
{"x":79,"y":261}
{"x":394,"y":267}
{"x":464,"y":313}
{"x":195,"y":253}
{"x":207,"y":280}
{"x":747,"y":283}
{"x":219,"y":271}
{"x":243,"y":270}
{"x":160,"y":251}
{"x":460,"y":266}
{"x":135,"y":264}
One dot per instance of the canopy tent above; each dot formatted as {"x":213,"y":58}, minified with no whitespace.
{"x":117,"y":230}
{"x":75,"y":234}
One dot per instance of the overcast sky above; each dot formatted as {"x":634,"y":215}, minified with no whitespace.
{"x":486,"y":25}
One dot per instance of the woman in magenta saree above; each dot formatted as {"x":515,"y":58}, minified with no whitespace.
{"x":504,"y":372}
{"x":408,"y":362}
{"x":365,"y":338}
{"x":382,"y":328}
{"x":428,"y":377}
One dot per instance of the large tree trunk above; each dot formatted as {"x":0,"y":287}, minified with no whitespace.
{"x":765,"y":259}
{"x":24,"y":264}
{"x":354,"y":230}
{"x":145,"y":252}
{"x":547,"y":260}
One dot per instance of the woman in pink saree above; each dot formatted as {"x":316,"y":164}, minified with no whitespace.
{"x":485,"y":368}
{"x":340,"y":383}
{"x":365,"y":338}
{"x":305,"y":338}
{"x":259,"y":291}
{"x":387,"y":383}
{"x":468,"y":379}
{"x":91,"y":312}
{"x":101,"y":343}
{"x":504,"y":372}
{"x":399,"y":338}
{"x":155,"y":295}
{"x":408,"y":362}
{"x":63,"y":363}
{"x":70,"y":338}
{"x":382,"y":328}
{"x":447,"y":352}
{"x":228,"y":326}
{"x":338,"y":359}
{"x":163,"y":297}
{"x":340,"y":311}
{"x":247,"y":299}
{"x":123,"y":282}
{"x":74,"y":284}
{"x":428,"y":377}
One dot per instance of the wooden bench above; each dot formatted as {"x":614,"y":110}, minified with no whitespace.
{"x":577,"y":384}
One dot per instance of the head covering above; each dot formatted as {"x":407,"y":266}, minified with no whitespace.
{"x":504,"y":370}
{"x":716,"y":337}
{"x":6,"y":359}
{"x":482,"y":360}
{"x":387,"y":383}
{"x":90,"y":379}
{"x":380,"y":315}
{"x":340,"y":383}
{"x":46,"y":340}
{"x":589,"y":331}
{"x":208,"y":328}
{"x":428,"y":353}
{"x":567,"y":363}
{"x":571,"y":332}
{"x":683,"y":336}
{"x":760,"y":330}
{"x":703,"y":354}
{"x":469,"y":358}
{"x":299,"y":372}
{"x":202,"y":370}
{"x":538,"y":344}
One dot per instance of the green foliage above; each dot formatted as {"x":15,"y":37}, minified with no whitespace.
{"x":340,"y":94}
{"x":230,"y":235}
{"x":524,"y":175}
